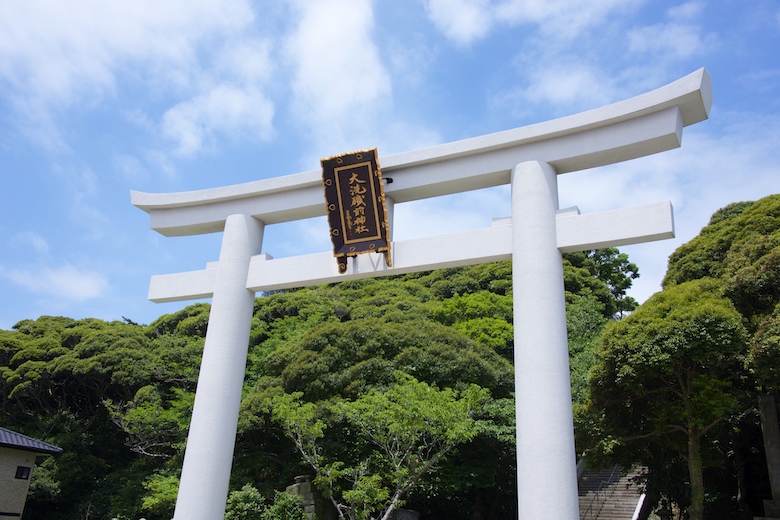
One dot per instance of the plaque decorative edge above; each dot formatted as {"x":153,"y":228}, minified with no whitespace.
{"x":343,"y":248}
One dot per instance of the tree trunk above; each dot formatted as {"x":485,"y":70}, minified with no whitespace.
{"x":696,"y":476}
{"x":393,"y":503}
{"x":739,"y":466}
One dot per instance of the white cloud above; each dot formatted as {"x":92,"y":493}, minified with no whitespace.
{"x":565,"y":17}
{"x":562,"y":63}
{"x":247,"y":61}
{"x":81,"y":180}
{"x":339,"y":82}
{"x":225,"y":110}
{"x":761,"y":81}
{"x":672,"y":40}
{"x":569,"y":83}
{"x":64,"y":282}
{"x":687,"y":11}
{"x":461,"y":20}
{"x":130,"y":168}
{"x":410,"y":58}
{"x":161,"y":162}
{"x":466,"y":21}
{"x":69,"y":49}
{"x":82,"y":188}
{"x":56,"y":54}
{"x":228,"y":101}
{"x":679,"y":38}
{"x":32,"y":240}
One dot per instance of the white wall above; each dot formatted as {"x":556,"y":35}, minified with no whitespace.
{"x":13,"y":491}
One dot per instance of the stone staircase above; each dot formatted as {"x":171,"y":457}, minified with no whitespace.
{"x":615,"y":500}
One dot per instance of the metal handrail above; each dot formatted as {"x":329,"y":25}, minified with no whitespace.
{"x":595,"y":512}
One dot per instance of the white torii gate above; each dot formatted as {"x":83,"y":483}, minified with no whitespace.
{"x":534,"y":237}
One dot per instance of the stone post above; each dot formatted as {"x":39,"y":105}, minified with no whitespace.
{"x":211,"y":440}
{"x":546,"y":461}
{"x":304,"y":489}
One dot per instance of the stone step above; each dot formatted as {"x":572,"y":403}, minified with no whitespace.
{"x":622,"y":495}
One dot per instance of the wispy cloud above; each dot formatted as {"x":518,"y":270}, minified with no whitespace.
{"x":465,"y":21}
{"x":82,"y":188}
{"x":64,"y":282}
{"x":130,"y":168}
{"x":68,"y":50}
{"x":680,"y":38}
{"x":579,"y":55}
{"x":339,"y":82}
{"x":76,"y":52}
{"x":671,"y":40}
{"x":565,"y":19}
{"x":228,"y":101}
{"x":226,"y":110}
{"x":687,"y":11}
{"x":569,"y":84}
{"x":30,"y":240}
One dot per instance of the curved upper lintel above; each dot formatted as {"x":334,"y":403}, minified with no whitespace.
{"x":691,"y":93}
{"x":639,"y":126}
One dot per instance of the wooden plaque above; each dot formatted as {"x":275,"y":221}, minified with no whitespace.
{"x":357,"y":212}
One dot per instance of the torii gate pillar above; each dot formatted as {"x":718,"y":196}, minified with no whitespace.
{"x":212,"y":435}
{"x":542,"y":384}
{"x":528,"y":158}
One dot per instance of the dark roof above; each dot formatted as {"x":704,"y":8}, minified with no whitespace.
{"x":9,"y":439}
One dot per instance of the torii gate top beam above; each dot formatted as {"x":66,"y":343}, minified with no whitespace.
{"x":636,"y":127}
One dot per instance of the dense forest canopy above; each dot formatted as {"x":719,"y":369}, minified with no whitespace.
{"x":117,"y":396}
{"x":675,"y":385}
{"x":339,"y":375}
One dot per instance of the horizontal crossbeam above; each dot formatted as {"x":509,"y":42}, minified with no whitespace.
{"x":575,"y":232}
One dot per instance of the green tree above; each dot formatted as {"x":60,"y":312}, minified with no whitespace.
{"x":741,"y":247}
{"x":57,"y":373}
{"x":155,"y":427}
{"x":605,"y":273}
{"x":284,"y":507}
{"x":117,"y":396}
{"x":160,"y":498}
{"x":401,"y":434}
{"x":248,"y":503}
{"x":666,"y":375}
{"x":448,"y":328}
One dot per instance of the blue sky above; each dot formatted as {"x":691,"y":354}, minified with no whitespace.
{"x":99,"y":98}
